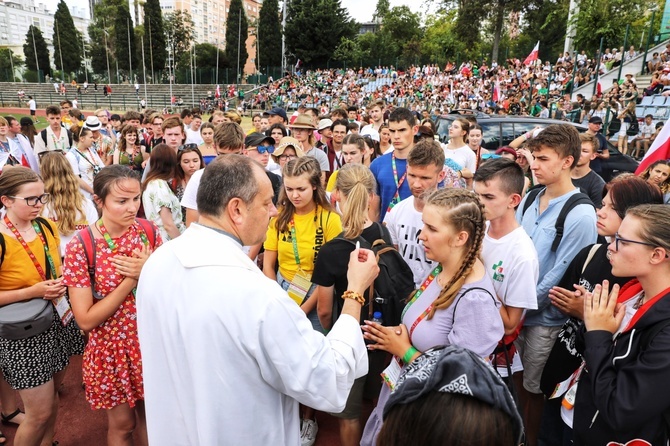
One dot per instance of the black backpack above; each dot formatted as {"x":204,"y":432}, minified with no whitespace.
{"x":395,"y":282}
{"x":633,"y":128}
{"x":574,"y":200}
{"x":43,"y":134}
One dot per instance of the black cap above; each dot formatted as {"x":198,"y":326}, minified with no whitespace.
{"x":595,"y":120}
{"x":115,"y":117}
{"x":256,"y":139}
{"x":26,"y":121}
{"x":278,"y":111}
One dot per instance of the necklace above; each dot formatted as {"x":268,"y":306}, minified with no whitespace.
{"x":24,"y":230}
{"x":640,"y":301}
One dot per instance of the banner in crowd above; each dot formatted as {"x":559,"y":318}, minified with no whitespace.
{"x":659,"y":150}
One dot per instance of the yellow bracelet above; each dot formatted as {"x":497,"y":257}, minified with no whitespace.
{"x":355,"y":296}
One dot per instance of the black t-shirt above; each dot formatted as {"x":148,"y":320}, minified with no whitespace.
{"x":332,"y":264}
{"x":592,"y":185}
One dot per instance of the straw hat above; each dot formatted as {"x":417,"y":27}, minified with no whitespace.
{"x":288,"y":141}
{"x":303,"y":122}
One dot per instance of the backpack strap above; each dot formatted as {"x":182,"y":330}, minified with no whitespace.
{"x":43,"y":134}
{"x":87,"y":240}
{"x":2,"y":248}
{"x":149,"y":229}
{"x":530,"y":198}
{"x":572,"y":202}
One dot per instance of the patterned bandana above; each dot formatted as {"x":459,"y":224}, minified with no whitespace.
{"x":453,"y":369}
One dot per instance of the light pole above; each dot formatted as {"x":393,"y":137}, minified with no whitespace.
{"x":283,"y":36}
{"x":151,"y":54}
{"x":170,"y":66}
{"x":37,"y":62}
{"x":144,"y":71}
{"x":60,"y":50}
{"x":239,"y":41}
{"x":83,"y":47}
{"x":130,"y":54}
{"x":11,"y":63}
{"x":109,"y":72}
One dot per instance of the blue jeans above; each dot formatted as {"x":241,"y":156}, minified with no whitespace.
{"x":312,"y":315}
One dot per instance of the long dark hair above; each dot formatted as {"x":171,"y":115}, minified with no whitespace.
{"x":163,"y":164}
{"x":179,"y":172}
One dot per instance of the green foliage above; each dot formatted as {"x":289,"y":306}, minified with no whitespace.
{"x":205,"y":56}
{"x":440,"y":43}
{"x":545,"y":21}
{"x":607,"y":19}
{"x":471,"y":14}
{"x":7,"y":58}
{"x":314,"y":29}
{"x":42,"y":51}
{"x":102,"y":46}
{"x":382,"y":9}
{"x":269,"y":34}
{"x":66,"y":40}
{"x":349,"y":51}
{"x":179,"y":35}
{"x":154,"y":35}
{"x":237,"y":26}
{"x":124,"y":37}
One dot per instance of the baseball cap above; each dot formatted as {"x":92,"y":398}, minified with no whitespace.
{"x":506,"y":149}
{"x":256,"y":139}
{"x":278,"y":111}
{"x":368,"y":130}
{"x":115,"y":117}
{"x":596,"y":120}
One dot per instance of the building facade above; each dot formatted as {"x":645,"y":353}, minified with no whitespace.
{"x":209,"y":18}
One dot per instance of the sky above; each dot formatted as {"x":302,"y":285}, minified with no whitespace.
{"x":362,"y":10}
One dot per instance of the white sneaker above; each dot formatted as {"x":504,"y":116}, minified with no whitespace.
{"x":308,"y":432}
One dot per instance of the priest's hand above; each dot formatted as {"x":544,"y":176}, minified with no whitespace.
{"x":362,"y":270}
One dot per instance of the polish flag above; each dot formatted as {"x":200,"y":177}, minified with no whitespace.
{"x":659,"y":150}
{"x":599,"y":89}
{"x":496,"y":91}
{"x":218,"y":92}
{"x":533,"y":54}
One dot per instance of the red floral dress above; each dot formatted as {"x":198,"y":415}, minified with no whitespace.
{"x":112,"y":365}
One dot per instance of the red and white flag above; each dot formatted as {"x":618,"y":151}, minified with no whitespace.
{"x":496,"y":91}
{"x":533,"y":54}
{"x":218,"y":92}
{"x":659,"y":150}
{"x":599,"y":89}
{"x":297,"y":64}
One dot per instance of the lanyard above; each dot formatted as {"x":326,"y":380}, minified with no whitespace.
{"x":86,"y":158}
{"x":419,"y":292}
{"x":23,"y":243}
{"x":295,"y":244}
{"x":57,"y":142}
{"x":110,"y":241}
{"x":396,"y":198}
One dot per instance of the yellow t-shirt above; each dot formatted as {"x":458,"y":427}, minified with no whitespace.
{"x":17,"y":270}
{"x":330,"y":187}
{"x":311,"y":233}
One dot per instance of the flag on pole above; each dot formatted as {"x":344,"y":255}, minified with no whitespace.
{"x":659,"y":150}
{"x":297,"y":64}
{"x":599,"y":89}
{"x":218,"y":92}
{"x":533,"y":54}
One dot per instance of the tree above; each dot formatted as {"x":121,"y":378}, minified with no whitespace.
{"x":237,"y":26}
{"x":268,"y":34}
{"x":546,"y":22}
{"x":383,"y":8}
{"x":471,"y":14}
{"x":179,"y":34}
{"x":66,"y":40}
{"x":8,"y":60}
{"x":439,"y":42}
{"x":154,"y":35}
{"x":42,"y":51}
{"x":124,"y":38}
{"x":349,"y":51}
{"x":205,"y":56}
{"x":314,"y":29}
{"x":102,"y":46}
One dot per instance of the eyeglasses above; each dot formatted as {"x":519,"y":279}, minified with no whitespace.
{"x":263,"y":149}
{"x":618,"y":239}
{"x":190,"y":146}
{"x":32,"y":201}
{"x":287,"y":157}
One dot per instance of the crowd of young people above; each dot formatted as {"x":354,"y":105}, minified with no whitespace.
{"x":508,"y":257}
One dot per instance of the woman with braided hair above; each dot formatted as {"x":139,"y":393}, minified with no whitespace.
{"x":455,"y":305}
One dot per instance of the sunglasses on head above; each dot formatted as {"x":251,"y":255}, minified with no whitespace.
{"x":189,"y":146}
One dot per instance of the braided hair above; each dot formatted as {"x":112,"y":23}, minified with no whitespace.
{"x":462,"y":210}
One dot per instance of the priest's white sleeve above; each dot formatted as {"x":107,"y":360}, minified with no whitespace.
{"x":315,"y":370}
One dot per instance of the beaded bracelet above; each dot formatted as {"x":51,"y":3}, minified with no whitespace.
{"x":355,"y":296}
{"x":407,"y":357}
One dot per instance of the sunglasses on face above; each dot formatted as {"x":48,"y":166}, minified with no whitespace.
{"x":263,"y":149}
{"x":32,"y":201}
{"x":189,"y":146}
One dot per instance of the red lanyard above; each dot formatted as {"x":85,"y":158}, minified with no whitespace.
{"x":398,"y":183}
{"x":426,"y":283}
{"x":23,"y":243}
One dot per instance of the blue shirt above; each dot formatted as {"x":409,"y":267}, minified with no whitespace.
{"x":386,"y":187}
{"x":579,"y":231}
